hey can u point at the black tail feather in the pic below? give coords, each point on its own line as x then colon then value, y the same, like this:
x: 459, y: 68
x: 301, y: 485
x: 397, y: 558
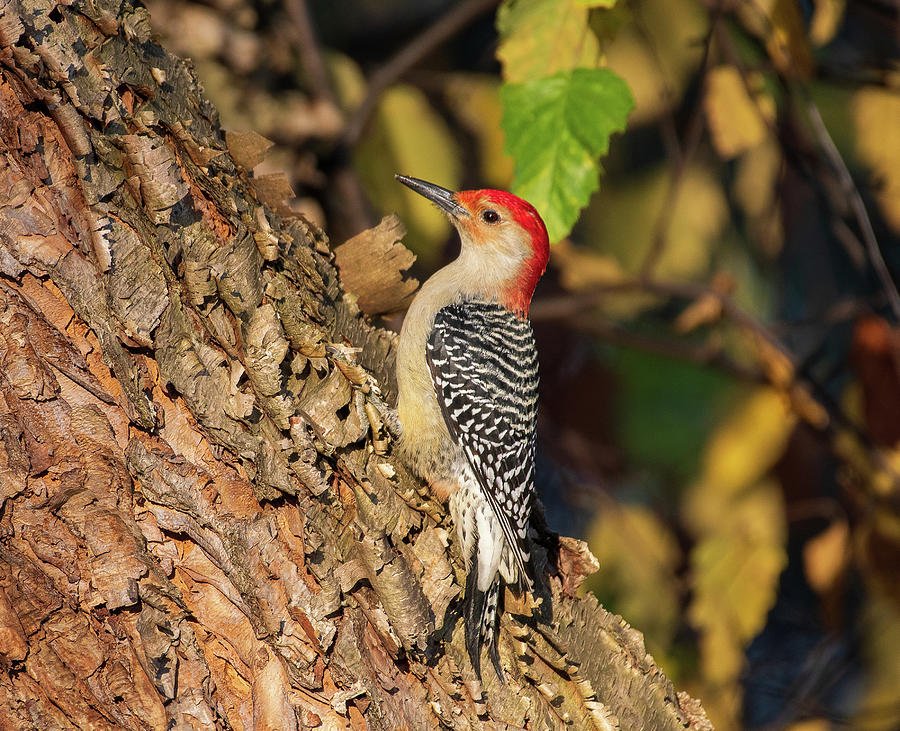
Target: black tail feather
x: 481, y: 621
x: 491, y: 625
x: 474, y: 608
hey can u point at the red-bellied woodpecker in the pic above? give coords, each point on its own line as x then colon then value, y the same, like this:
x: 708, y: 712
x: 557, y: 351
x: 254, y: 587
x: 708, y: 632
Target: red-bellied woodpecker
x: 467, y: 375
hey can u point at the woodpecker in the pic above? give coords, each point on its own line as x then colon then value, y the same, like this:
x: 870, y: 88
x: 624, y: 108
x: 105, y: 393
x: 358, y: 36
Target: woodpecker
x: 467, y: 376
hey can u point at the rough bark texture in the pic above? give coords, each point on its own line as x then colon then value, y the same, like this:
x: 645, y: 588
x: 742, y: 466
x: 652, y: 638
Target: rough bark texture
x: 195, y: 531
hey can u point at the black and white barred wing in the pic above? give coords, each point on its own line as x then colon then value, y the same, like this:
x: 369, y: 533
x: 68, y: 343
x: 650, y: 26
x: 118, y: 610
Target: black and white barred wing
x: 483, y: 362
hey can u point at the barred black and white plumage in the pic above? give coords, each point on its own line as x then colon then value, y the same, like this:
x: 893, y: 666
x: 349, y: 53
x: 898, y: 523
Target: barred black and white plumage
x: 467, y: 392
x: 483, y: 362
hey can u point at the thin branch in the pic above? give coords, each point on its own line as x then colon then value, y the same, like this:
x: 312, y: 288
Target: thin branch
x: 693, y: 135
x: 856, y: 203
x: 572, y: 305
x: 441, y: 30
x: 704, y: 355
x: 668, y: 126
x: 842, y: 232
x: 307, y: 47
x: 840, y: 312
x: 345, y: 184
x: 836, y: 161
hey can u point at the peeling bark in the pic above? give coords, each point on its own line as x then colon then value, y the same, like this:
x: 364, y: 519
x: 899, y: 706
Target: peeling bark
x: 194, y: 531
x: 373, y: 265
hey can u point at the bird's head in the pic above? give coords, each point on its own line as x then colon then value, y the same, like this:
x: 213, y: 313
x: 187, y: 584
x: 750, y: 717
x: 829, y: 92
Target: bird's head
x: 502, y: 237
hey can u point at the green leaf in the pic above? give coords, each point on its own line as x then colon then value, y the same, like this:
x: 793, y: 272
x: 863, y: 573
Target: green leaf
x: 556, y: 128
x: 540, y: 37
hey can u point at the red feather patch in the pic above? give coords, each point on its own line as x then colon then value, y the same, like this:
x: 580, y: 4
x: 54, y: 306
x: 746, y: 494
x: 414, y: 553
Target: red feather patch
x: 518, y: 295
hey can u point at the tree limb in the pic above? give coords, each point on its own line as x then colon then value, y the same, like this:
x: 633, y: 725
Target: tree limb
x: 193, y: 530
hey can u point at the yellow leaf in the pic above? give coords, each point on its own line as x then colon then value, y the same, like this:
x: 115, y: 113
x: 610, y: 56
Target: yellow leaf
x: 408, y: 136
x: 405, y: 136
x: 638, y: 558
x: 349, y: 81
x: 756, y: 176
x: 540, y: 37
x: 658, y: 61
x: 879, y: 707
x: 825, y: 556
x: 721, y: 657
x: 584, y: 269
x: 735, y: 568
x: 737, y: 122
x: 475, y: 100
x: 739, y: 454
x: 624, y: 221
x: 756, y: 191
x: 875, y: 115
x: 699, y: 217
x: 826, y: 20
x: 581, y: 268
x: 736, y: 515
x: 781, y: 27
x: 810, y: 724
x: 889, y: 461
x: 630, y: 57
x: 722, y: 704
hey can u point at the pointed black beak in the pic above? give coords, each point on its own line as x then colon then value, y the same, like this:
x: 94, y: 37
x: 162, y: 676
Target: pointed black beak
x: 442, y: 197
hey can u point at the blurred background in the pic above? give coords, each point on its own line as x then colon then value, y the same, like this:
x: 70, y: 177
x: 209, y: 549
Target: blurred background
x: 718, y: 334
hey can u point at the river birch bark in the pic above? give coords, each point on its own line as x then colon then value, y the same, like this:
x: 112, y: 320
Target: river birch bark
x: 196, y: 529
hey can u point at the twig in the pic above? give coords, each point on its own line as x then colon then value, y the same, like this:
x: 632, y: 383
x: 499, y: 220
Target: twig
x: 693, y: 135
x: 836, y: 161
x: 704, y: 355
x: 668, y: 126
x: 842, y: 232
x: 856, y: 203
x: 840, y: 312
x: 355, y: 212
x: 443, y: 28
x: 571, y: 305
x: 307, y: 47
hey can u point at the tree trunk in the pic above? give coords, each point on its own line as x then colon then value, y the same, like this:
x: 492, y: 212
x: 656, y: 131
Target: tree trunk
x: 195, y: 529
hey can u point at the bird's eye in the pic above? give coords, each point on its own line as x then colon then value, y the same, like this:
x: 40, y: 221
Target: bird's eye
x: 490, y: 216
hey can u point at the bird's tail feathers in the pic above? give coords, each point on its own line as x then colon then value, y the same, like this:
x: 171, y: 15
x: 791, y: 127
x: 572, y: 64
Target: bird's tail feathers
x: 481, y: 621
x: 518, y: 574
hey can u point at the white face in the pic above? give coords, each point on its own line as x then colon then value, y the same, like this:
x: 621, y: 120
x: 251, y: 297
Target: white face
x: 497, y: 253
x: 499, y: 244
